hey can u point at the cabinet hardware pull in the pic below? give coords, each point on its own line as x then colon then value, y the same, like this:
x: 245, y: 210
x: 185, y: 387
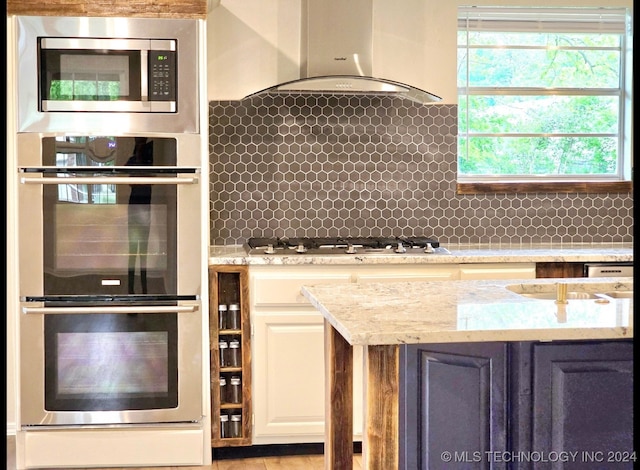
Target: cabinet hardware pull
x: 112, y: 309
x: 109, y: 180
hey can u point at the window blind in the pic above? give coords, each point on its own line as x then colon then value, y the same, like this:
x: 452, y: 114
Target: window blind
x: 543, y: 19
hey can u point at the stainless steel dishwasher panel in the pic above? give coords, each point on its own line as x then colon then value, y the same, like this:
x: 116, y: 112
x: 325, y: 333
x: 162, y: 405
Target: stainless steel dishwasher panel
x: 615, y: 269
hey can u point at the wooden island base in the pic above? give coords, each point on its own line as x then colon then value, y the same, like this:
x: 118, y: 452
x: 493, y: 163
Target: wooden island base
x: 381, y: 414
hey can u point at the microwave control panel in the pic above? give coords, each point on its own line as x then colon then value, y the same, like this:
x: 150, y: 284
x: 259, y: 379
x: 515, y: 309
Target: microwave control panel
x: 162, y: 75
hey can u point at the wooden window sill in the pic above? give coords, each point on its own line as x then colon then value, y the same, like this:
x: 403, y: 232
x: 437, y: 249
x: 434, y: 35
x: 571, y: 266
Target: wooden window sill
x: 546, y: 187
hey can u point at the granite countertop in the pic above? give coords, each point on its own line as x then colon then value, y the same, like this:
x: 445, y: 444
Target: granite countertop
x: 471, y: 311
x: 459, y: 254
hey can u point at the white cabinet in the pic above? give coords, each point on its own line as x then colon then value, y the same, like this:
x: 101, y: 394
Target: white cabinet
x: 288, y: 340
x: 289, y: 380
x: 288, y: 346
x: 288, y: 355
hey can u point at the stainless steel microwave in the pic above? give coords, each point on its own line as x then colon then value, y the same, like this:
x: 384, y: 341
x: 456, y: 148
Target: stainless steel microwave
x: 85, y: 74
x: 105, y: 75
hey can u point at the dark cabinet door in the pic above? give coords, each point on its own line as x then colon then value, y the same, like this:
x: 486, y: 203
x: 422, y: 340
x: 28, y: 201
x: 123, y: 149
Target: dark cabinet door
x: 453, y: 405
x: 582, y: 402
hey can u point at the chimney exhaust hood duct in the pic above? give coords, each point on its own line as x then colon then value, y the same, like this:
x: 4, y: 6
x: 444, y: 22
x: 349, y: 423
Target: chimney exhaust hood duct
x: 337, y: 51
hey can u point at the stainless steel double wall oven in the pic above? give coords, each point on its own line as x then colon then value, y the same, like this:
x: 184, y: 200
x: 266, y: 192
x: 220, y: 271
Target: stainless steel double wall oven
x: 110, y: 250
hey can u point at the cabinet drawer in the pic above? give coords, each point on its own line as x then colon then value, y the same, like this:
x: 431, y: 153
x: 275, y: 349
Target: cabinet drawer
x: 498, y: 271
x: 284, y: 289
x: 444, y: 272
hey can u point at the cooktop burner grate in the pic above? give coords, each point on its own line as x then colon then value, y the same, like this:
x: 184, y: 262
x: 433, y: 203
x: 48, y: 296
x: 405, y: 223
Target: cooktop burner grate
x: 343, y: 245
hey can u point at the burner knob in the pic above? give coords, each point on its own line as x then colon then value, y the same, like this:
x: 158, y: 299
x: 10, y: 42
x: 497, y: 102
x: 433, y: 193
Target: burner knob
x: 401, y: 248
x: 269, y: 250
x: 301, y: 248
x: 350, y: 249
x: 429, y: 248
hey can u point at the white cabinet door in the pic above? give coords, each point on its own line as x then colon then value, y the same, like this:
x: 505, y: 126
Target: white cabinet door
x: 288, y: 378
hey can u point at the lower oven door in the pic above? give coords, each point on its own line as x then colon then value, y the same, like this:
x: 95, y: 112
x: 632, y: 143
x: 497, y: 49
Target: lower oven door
x: 106, y: 365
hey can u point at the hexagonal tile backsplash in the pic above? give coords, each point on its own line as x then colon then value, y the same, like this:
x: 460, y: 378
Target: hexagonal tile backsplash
x: 329, y: 165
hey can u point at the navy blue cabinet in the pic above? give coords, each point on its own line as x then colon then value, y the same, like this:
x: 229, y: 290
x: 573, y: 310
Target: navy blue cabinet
x: 453, y: 401
x: 582, y: 402
x: 518, y: 405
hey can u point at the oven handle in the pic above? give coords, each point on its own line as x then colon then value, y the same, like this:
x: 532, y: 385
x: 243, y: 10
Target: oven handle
x: 109, y: 180
x: 112, y: 309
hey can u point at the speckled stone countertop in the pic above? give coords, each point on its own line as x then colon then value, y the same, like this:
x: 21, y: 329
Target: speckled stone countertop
x: 459, y: 254
x: 472, y: 311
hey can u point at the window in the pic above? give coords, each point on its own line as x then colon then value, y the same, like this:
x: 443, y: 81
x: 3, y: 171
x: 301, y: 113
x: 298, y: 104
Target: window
x: 543, y: 95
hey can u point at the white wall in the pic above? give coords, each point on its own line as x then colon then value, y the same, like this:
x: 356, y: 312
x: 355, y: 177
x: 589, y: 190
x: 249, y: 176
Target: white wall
x: 254, y: 44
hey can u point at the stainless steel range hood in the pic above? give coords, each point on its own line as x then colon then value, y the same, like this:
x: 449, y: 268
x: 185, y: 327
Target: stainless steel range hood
x: 337, y: 54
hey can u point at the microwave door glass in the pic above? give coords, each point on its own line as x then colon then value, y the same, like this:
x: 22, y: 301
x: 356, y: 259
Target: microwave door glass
x: 90, y: 76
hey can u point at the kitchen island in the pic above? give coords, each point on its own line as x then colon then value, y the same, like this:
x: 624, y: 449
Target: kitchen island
x: 394, y: 321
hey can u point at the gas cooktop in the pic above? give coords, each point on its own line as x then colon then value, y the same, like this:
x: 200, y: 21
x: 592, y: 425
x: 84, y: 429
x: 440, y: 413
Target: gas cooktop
x: 345, y: 246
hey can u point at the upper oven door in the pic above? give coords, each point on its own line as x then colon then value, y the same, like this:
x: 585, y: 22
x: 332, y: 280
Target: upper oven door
x: 109, y: 215
x: 118, y: 75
